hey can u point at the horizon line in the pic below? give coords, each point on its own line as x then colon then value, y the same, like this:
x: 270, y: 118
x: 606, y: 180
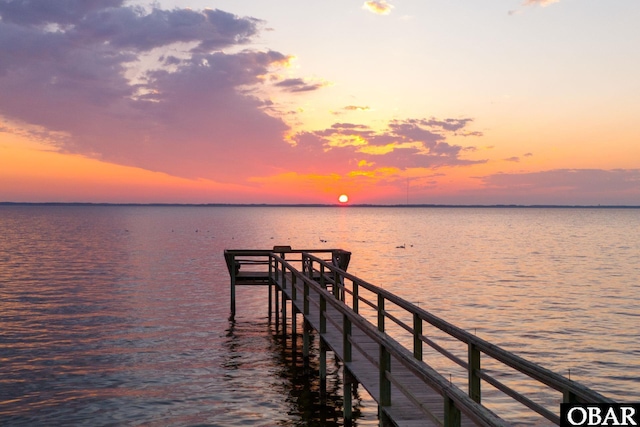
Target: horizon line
x: 314, y: 205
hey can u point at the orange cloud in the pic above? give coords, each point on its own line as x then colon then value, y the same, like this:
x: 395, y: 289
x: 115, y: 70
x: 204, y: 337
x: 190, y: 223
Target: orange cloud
x: 71, y: 178
x: 540, y: 2
x: 379, y: 7
x: 356, y: 108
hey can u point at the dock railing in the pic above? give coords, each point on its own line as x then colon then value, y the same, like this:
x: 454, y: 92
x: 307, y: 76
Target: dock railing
x: 349, y: 289
x: 384, y: 316
x: 248, y: 266
x: 325, y: 283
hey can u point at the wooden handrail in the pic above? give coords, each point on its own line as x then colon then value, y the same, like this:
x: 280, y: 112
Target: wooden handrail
x: 330, y: 280
x: 390, y: 348
x: 572, y: 391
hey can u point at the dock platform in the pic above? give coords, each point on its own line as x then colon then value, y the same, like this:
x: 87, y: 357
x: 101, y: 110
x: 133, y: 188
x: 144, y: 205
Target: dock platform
x: 359, y: 323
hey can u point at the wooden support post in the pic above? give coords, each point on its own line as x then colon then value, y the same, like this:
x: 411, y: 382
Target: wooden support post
x: 305, y: 297
x: 383, y: 419
x: 452, y: 416
x: 323, y: 369
x: 276, y: 309
x: 385, y: 384
x: 569, y: 397
x: 347, y: 396
x: 474, y: 373
x: 323, y: 315
x: 309, y: 268
x: 232, y: 315
x: 304, y: 265
x: 417, y: 336
x: 284, y: 313
x: 294, y: 332
x: 270, y: 286
x: 283, y: 277
x: 380, y: 313
x: 270, y: 297
x: 294, y: 290
x: 356, y: 298
x: 306, y: 340
x: 346, y: 338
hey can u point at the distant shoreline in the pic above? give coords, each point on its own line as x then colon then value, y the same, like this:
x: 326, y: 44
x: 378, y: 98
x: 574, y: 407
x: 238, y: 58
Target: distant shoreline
x: 319, y: 205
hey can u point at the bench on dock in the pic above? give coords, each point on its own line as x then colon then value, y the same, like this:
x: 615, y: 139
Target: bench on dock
x: 250, y: 266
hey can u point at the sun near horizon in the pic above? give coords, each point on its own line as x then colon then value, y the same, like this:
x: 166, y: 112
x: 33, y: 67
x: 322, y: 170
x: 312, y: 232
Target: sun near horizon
x: 343, y: 199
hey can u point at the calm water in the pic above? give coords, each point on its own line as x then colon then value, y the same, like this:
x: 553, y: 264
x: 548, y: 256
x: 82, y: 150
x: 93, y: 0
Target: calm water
x: 118, y: 315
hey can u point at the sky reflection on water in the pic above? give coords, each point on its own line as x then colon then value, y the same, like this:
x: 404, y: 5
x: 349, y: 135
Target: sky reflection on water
x: 118, y: 315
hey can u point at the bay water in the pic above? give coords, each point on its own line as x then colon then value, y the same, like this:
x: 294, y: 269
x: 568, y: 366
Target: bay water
x: 118, y: 315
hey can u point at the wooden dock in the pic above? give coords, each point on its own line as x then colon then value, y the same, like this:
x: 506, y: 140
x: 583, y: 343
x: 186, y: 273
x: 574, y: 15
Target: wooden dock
x: 354, y: 319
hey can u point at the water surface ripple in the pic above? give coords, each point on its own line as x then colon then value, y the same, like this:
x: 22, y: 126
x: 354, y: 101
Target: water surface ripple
x: 114, y: 315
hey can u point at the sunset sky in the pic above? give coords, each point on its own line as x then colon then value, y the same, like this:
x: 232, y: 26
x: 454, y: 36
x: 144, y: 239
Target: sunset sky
x: 255, y: 101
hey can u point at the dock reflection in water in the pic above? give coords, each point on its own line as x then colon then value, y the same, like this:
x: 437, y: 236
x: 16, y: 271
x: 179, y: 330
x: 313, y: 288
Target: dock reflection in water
x: 297, y: 384
x: 109, y: 317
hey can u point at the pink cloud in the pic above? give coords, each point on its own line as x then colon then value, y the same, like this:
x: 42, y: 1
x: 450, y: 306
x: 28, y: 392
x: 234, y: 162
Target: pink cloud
x: 564, y: 186
x: 194, y: 114
x: 198, y: 118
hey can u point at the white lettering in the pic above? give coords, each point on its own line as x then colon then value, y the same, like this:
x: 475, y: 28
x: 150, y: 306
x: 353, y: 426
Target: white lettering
x: 627, y: 413
x: 572, y: 420
x: 611, y: 416
x: 595, y: 418
x: 602, y: 415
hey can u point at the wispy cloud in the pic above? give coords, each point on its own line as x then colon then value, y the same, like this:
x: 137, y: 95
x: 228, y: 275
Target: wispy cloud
x: 299, y: 85
x: 569, y: 186
x: 409, y: 143
x: 357, y: 108
x: 379, y: 7
x: 539, y: 2
x: 542, y: 3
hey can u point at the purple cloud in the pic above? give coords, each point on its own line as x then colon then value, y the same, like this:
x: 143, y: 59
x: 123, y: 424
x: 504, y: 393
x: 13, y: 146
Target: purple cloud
x: 405, y: 143
x: 194, y: 113
x: 37, y: 12
x: 134, y: 28
x: 446, y: 124
x: 565, y: 186
x: 197, y: 118
x: 298, y: 85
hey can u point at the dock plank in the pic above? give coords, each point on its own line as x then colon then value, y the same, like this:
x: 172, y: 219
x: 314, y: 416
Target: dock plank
x: 403, y: 411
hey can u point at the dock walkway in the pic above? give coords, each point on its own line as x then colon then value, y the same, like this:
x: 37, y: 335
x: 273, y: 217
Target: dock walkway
x: 408, y: 391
